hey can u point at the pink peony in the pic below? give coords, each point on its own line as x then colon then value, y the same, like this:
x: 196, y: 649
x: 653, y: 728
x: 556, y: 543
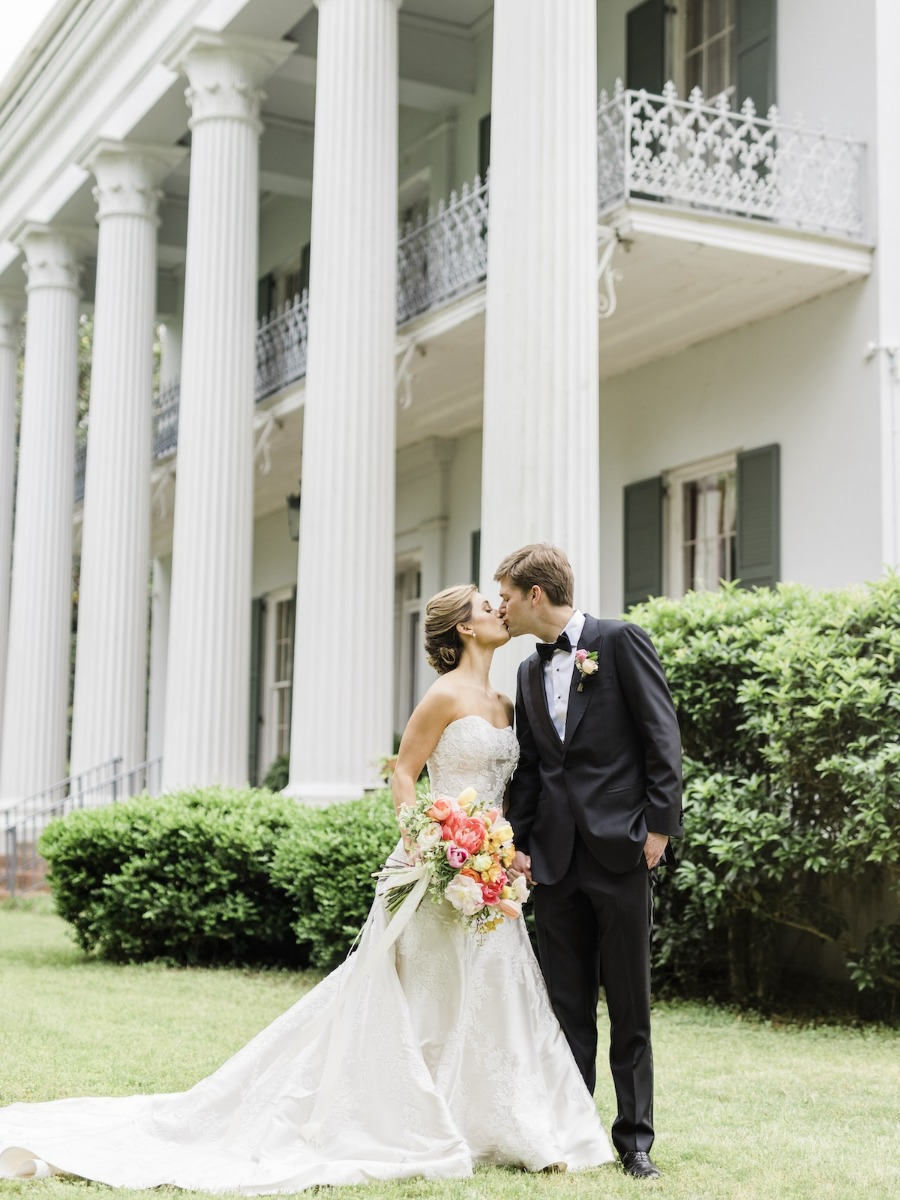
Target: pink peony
x: 457, y: 856
x: 491, y: 891
x: 465, y: 831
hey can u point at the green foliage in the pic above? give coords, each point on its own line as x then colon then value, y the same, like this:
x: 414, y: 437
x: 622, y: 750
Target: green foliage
x: 325, y: 867
x: 185, y: 878
x: 278, y: 774
x: 789, y: 702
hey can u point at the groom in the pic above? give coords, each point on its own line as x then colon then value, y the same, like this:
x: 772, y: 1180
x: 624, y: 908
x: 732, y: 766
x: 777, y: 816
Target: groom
x: 594, y: 800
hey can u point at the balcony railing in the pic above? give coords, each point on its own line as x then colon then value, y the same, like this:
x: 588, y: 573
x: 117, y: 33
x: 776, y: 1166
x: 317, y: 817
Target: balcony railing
x: 683, y: 153
x: 690, y: 154
x: 443, y: 256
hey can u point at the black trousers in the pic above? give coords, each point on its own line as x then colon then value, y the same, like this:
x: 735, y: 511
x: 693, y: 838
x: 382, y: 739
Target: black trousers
x: 595, y: 925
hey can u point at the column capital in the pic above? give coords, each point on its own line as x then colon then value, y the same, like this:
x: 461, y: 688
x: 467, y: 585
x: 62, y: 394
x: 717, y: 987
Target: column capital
x: 12, y: 305
x: 224, y: 73
x: 128, y: 175
x: 52, y: 254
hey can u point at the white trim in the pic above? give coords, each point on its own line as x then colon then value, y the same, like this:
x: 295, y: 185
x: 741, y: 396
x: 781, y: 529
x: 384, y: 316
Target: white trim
x: 271, y: 687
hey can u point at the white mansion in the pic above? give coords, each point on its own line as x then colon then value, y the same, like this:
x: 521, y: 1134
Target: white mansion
x: 662, y: 331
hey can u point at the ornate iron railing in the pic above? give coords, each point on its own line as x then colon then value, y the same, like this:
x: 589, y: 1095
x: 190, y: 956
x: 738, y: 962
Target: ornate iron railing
x: 165, y: 421
x: 94, y: 788
x: 442, y: 256
x: 281, y: 346
x: 701, y: 156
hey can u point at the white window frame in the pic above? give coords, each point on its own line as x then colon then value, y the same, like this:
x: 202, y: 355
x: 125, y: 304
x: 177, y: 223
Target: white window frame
x: 408, y: 607
x: 673, y: 513
x: 272, y: 686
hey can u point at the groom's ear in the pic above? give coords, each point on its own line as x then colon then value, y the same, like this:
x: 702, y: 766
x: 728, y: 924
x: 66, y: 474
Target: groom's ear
x: 536, y: 593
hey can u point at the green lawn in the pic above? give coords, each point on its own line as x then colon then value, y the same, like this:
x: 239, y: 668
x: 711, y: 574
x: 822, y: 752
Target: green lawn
x: 744, y: 1110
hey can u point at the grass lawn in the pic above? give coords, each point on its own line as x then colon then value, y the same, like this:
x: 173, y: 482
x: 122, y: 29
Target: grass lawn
x: 743, y: 1110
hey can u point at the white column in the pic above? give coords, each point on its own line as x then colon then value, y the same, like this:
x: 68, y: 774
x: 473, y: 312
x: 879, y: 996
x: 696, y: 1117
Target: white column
x: 887, y: 272
x: 33, y: 747
x: 159, y: 649
x: 205, y: 739
x: 540, y: 472
x: 10, y: 324
x: 341, y: 720
x: 111, y: 658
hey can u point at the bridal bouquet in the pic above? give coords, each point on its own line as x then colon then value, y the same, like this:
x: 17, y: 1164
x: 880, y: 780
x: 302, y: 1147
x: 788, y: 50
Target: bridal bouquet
x: 459, y: 852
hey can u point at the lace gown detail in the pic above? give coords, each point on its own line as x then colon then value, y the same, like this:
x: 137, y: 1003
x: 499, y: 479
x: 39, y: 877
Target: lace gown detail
x: 437, y: 1054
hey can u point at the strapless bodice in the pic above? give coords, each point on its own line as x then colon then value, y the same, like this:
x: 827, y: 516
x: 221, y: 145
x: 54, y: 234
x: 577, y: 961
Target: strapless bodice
x: 471, y: 752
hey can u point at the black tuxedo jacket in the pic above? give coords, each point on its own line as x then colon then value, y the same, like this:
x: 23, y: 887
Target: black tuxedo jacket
x: 617, y: 772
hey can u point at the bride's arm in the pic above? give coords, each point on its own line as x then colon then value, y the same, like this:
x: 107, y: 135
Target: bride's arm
x: 429, y: 720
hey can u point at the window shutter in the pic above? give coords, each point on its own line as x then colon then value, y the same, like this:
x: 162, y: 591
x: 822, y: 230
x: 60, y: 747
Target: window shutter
x: 484, y: 145
x: 475, y: 552
x: 257, y: 612
x: 755, y: 53
x: 265, y: 296
x: 758, y: 517
x: 643, y: 540
x: 645, y: 46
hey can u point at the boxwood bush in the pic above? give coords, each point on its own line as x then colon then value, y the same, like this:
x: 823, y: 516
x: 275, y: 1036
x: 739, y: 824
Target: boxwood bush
x: 789, y: 703
x: 185, y: 877
x: 324, y: 866
x: 218, y: 875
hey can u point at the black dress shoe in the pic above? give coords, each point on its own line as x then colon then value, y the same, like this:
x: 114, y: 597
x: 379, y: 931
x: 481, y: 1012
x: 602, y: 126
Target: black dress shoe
x: 639, y: 1164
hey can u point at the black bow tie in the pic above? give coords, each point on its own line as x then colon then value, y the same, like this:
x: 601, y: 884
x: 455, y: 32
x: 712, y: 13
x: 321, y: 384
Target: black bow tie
x: 546, y: 650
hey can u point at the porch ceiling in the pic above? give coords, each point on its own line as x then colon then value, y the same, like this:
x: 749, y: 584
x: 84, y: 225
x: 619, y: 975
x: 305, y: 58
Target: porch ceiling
x: 687, y: 277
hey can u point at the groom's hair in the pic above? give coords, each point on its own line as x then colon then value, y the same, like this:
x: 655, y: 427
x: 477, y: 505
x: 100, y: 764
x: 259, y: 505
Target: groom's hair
x: 540, y: 565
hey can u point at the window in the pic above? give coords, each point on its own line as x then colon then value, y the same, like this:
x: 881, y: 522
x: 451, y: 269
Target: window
x: 408, y: 641
x: 709, y: 47
x: 713, y: 520
x: 278, y: 674
x: 702, y: 511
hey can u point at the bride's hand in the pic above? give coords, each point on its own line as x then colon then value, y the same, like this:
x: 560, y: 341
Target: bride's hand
x: 521, y: 865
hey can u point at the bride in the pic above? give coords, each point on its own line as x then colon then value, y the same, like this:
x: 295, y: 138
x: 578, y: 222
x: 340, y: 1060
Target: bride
x: 422, y: 1058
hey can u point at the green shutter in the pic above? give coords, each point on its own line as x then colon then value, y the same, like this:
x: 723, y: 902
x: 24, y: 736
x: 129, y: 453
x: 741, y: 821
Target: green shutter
x: 755, y: 53
x: 484, y: 145
x: 645, y: 46
x: 757, y: 551
x: 257, y: 612
x: 643, y: 540
x: 304, y: 269
x: 476, y: 557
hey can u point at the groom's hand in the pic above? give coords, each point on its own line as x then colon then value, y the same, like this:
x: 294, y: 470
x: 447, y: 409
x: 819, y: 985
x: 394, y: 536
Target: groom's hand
x: 655, y: 848
x: 521, y: 865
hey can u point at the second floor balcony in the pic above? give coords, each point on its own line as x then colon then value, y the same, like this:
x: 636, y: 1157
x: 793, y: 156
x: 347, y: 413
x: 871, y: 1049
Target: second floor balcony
x: 717, y: 218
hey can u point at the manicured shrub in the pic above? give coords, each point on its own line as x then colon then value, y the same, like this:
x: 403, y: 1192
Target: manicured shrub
x: 278, y: 774
x: 185, y: 878
x: 325, y: 867
x: 789, y: 702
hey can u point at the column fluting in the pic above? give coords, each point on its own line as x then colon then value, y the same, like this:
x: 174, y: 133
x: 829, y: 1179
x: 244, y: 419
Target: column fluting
x: 341, y: 719
x: 11, y: 307
x: 33, y: 746
x: 111, y: 657
x: 540, y: 471
x: 206, y: 721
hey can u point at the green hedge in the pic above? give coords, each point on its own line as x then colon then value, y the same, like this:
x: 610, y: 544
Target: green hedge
x: 324, y: 866
x: 789, y: 703
x: 186, y: 878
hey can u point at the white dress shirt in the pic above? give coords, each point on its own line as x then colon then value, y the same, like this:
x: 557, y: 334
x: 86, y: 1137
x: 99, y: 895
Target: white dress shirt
x: 558, y: 675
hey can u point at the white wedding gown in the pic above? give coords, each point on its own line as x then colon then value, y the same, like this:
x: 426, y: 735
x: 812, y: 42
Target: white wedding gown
x: 419, y: 1060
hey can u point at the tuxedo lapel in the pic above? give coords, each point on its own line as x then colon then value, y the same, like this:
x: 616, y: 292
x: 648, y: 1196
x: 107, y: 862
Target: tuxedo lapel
x: 539, y: 700
x: 578, y: 701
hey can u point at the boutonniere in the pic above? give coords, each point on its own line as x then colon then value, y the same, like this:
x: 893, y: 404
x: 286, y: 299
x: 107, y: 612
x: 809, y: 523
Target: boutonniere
x: 586, y: 664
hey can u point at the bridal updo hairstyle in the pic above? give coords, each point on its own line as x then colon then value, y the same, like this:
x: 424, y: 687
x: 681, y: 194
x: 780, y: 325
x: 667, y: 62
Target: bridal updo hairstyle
x: 443, y: 613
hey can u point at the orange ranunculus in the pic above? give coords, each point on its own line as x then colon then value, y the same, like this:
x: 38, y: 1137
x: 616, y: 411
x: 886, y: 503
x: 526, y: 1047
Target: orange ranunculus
x: 440, y: 810
x: 491, y: 891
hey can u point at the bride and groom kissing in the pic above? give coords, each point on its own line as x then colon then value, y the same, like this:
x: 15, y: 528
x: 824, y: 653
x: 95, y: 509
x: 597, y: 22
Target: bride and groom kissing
x: 449, y: 1049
